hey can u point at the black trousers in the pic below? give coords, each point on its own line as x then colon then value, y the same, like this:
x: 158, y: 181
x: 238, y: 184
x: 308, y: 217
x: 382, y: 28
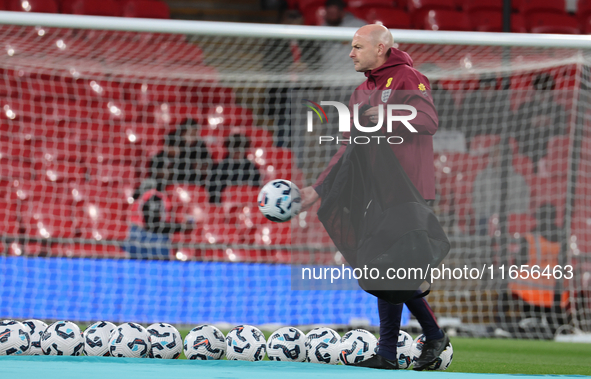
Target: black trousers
x: 390, y: 316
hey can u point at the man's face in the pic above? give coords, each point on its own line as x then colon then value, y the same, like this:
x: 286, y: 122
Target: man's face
x: 334, y: 15
x: 363, y: 53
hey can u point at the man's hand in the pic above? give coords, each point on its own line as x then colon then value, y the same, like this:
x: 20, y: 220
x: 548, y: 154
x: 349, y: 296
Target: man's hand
x: 309, y: 197
x: 372, y: 114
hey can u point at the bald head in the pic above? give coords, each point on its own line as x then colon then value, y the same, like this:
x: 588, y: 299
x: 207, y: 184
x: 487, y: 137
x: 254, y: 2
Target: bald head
x: 377, y: 34
x: 370, y: 47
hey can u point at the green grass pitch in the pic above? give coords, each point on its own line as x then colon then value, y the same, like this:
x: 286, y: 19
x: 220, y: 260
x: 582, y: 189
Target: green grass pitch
x: 509, y: 356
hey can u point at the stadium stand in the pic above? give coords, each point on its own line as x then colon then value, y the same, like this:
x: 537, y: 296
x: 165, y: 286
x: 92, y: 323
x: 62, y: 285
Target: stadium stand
x: 145, y: 9
x: 43, y: 6
x: 391, y: 18
x: 551, y: 22
x: 92, y: 7
x: 533, y: 6
x: 442, y: 19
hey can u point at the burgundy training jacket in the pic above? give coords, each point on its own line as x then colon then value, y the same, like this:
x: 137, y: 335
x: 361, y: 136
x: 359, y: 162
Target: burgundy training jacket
x: 409, y: 87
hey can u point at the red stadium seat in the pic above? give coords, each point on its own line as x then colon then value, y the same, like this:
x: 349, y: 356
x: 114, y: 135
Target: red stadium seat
x: 183, y: 195
x: 123, y: 112
x: 240, y: 194
x: 148, y: 136
x: 419, y: 9
x: 55, y: 150
x: 18, y: 110
x: 418, y: 5
x: 178, y: 53
x: 17, y: 146
x: 273, y: 234
x: 15, y: 168
x: 276, y: 163
x: 518, y: 24
x: 444, y: 20
x: 110, y: 173
x: 9, y: 224
x: 214, y: 234
x: 21, y: 192
x: 8, y: 129
x: 40, y: 6
x: 117, y: 150
x: 482, y: 5
x: 551, y: 22
x: 101, y: 214
x: 371, y: 3
x: 146, y: 92
x: 530, y: 6
x: 492, y: 21
x: 92, y: 7
x: 86, y: 131
x: 145, y: 9
x: 583, y: 10
x: 42, y: 129
x: 307, y: 4
x: 171, y: 115
x: 226, y: 116
x: 208, y: 96
x: 391, y: 18
x: 82, y: 89
x: 47, y: 219
x: 62, y: 172
x: 222, y: 121
x: 486, y: 20
x: 314, y: 15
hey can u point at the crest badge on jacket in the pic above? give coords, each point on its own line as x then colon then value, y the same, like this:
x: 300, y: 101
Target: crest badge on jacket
x: 386, y: 95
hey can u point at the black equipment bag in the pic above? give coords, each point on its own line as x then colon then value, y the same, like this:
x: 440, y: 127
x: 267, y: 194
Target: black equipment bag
x: 379, y: 220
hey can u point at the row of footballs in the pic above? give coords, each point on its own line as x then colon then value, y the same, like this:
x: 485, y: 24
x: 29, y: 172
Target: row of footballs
x: 205, y: 342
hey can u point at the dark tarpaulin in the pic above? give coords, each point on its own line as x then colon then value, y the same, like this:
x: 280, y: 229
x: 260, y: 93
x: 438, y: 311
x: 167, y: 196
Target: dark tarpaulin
x: 378, y: 219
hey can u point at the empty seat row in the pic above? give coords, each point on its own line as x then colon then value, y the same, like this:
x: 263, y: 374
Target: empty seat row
x: 124, y: 8
x: 522, y: 6
x: 486, y: 16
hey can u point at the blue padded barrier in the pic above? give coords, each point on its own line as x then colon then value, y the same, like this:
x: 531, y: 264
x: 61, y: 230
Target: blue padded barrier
x: 185, y: 293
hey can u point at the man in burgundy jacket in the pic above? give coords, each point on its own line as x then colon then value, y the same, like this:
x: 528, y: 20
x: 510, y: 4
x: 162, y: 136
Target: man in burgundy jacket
x: 388, y: 68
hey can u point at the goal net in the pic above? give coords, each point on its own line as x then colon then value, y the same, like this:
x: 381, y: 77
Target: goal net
x: 133, y: 160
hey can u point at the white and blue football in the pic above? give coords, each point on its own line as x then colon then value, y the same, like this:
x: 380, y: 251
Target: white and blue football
x: 14, y: 339
x: 130, y: 340
x: 166, y: 341
x: 403, y: 350
x: 96, y: 339
x: 35, y: 328
x: 323, y: 346
x: 245, y: 343
x: 205, y: 342
x: 287, y: 344
x: 62, y: 338
x: 357, y: 346
x: 279, y: 200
